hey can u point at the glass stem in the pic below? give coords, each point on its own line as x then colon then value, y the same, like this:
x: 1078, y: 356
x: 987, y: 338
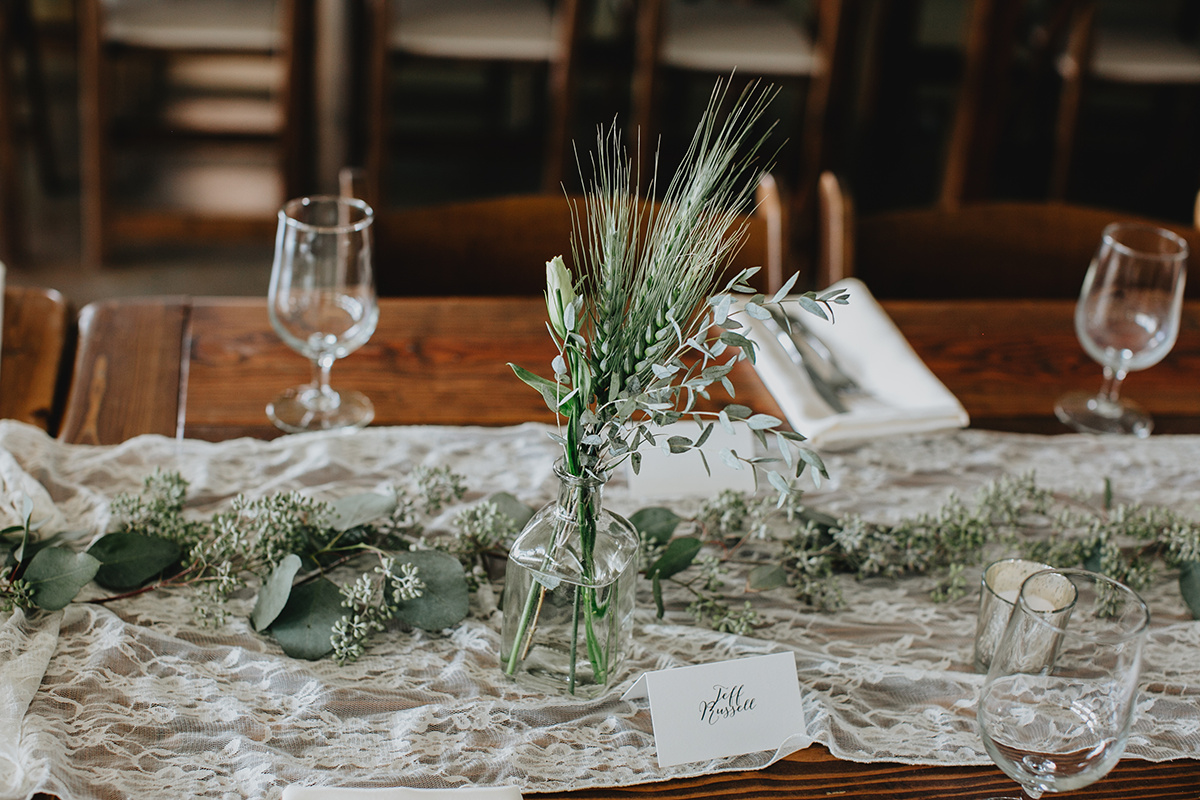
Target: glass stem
x: 326, y: 398
x: 1110, y: 390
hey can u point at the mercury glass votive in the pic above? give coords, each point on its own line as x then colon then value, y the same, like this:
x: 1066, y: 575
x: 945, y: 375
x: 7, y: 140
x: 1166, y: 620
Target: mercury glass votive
x: 999, y: 586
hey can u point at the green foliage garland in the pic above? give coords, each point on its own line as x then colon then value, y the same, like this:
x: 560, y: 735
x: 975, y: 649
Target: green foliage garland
x: 285, y: 547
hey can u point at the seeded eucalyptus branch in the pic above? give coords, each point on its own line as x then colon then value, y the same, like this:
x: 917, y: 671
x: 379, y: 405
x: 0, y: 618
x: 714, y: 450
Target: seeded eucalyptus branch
x: 284, y: 548
x: 809, y: 551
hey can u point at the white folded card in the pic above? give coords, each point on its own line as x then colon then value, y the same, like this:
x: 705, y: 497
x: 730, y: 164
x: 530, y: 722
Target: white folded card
x: 401, y: 793
x: 726, y: 708
x: 901, y: 394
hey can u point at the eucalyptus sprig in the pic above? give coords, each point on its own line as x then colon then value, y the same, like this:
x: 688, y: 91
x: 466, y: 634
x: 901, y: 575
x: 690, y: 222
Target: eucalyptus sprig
x: 648, y: 324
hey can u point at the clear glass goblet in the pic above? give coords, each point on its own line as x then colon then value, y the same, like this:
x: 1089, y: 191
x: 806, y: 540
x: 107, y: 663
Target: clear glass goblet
x: 322, y: 304
x: 1056, y: 706
x: 1127, y: 319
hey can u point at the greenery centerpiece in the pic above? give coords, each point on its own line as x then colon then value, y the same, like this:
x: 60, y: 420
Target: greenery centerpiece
x: 643, y: 330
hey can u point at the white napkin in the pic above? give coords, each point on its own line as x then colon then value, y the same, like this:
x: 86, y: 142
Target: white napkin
x: 401, y: 793
x: 902, y: 395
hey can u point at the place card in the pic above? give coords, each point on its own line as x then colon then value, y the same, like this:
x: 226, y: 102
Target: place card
x: 727, y: 708
x: 666, y: 474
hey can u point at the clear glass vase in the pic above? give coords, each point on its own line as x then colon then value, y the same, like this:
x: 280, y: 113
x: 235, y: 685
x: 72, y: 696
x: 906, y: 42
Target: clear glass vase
x: 569, y: 593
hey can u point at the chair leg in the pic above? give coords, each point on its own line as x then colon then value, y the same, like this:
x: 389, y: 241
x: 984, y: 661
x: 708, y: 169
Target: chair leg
x: 562, y: 93
x: 11, y: 240
x: 297, y: 143
x: 646, y: 73
x: 93, y: 170
x: 1078, y: 56
x: 24, y: 32
x: 982, y: 100
x: 825, y: 108
x: 377, y: 105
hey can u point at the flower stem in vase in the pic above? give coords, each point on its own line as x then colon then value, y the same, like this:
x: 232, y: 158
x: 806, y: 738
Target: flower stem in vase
x: 571, y: 574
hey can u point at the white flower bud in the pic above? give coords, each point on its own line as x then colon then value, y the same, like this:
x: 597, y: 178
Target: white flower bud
x: 560, y: 293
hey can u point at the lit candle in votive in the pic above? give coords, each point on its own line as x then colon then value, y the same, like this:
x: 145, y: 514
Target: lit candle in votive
x: 1001, y: 584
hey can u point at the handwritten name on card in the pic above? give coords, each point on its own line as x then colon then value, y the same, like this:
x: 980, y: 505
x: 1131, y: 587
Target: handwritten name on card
x: 727, y: 708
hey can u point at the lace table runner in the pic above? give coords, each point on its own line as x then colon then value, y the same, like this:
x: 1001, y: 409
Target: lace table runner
x: 136, y: 700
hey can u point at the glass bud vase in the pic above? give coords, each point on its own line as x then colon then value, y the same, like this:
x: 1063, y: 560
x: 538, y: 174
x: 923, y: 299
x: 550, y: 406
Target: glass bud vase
x: 569, y: 593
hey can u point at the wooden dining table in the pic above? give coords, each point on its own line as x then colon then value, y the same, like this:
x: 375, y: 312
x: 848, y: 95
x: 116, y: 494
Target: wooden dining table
x: 206, y: 368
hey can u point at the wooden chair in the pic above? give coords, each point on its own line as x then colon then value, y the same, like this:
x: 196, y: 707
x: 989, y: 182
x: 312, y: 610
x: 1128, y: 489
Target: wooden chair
x: 984, y: 249
x: 717, y: 37
x: 36, y: 339
x: 19, y: 40
x: 500, y: 246
x: 1122, y: 52
x: 489, y: 32
x: 262, y: 47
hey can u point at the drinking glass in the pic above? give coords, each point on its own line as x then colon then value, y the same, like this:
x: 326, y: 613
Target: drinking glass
x: 322, y: 304
x: 1056, y: 705
x: 1127, y: 319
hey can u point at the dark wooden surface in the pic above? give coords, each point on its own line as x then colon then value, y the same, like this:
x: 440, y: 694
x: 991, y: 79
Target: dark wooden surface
x: 206, y: 368
x: 37, y: 331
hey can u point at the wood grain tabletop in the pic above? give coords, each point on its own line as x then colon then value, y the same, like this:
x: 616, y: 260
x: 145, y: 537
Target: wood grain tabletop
x: 207, y: 367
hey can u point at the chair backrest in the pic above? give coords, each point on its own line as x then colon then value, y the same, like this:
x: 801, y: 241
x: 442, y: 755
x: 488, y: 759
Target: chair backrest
x: 500, y: 246
x: 752, y: 40
x: 482, y: 31
x: 993, y: 249
x: 37, y: 337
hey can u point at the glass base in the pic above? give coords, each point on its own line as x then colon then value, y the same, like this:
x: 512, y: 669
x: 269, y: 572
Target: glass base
x: 1090, y: 413
x: 304, y: 408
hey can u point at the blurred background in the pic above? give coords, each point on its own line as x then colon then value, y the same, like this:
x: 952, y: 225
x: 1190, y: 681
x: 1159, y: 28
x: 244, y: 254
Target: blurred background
x: 147, y: 144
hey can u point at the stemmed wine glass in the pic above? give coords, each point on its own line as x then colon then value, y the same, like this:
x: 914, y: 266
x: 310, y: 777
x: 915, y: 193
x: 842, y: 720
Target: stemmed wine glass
x: 1056, y: 706
x: 322, y: 304
x: 1127, y: 319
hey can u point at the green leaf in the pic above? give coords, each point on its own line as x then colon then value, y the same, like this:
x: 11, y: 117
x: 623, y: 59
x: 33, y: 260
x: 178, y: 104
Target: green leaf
x: 276, y: 589
x: 656, y: 523
x: 56, y: 575
x: 737, y: 412
x: 304, y: 629
x: 757, y: 311
x: 511, y: 507
x: 766, y: 576
x: 128, y: 560
x: 676, y: 558
x: 787, y: 287
x: 811, y: 306
x: 1189, y: 586
x: 779, y: 482
x: 548, y: 389
x: 811, y: 458
x: 679, y: 444
x: 762, y: 422
x: 735, y: 339
x: 355, y: 510
x: 444, y: 601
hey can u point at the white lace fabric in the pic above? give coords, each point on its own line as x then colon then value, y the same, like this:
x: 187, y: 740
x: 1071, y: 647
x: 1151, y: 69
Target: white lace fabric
x: 135, y: 699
